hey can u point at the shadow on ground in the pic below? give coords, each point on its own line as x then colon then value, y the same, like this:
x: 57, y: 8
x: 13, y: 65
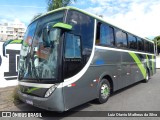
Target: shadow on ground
x: 75, y: 112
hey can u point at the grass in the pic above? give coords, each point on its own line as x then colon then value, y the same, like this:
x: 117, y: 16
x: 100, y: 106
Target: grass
x: 15, y: 96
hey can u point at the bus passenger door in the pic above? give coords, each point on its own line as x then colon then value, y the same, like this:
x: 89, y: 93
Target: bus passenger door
x: 73, y: 63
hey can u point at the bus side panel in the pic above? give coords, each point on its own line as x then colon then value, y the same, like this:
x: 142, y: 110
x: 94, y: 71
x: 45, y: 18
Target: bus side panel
x: 128, y: 68
x: 149, y: 64
x: 152, y: 59
x: 108, y: 62
x: 138, y: 67
x: 80, y: 91
x: 86, y: 88
x: 123, y: 67
x: 131, y: 72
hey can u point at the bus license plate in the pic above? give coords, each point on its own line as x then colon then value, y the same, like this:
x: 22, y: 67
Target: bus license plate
x: 29, y: 102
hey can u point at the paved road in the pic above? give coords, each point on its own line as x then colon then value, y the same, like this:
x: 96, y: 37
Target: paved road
x: 137, y: 97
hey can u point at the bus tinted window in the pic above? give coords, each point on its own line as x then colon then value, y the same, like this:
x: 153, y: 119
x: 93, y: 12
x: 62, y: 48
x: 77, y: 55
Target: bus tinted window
x: 106, y: 35
x: 73, y: 47
x: 98, y: 34
x: 103, y: 34
x: 146, y: 46
x: 132, y: 42
x: 121, y: 39
x: 140, y: 44
x: 151, y: 48
x: 110, y: 36
x: 83, y: 30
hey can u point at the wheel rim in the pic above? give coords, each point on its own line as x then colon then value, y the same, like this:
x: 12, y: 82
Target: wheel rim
x: 105, y: 91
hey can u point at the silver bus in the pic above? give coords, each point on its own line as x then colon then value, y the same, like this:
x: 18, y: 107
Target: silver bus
x: 69, y: 57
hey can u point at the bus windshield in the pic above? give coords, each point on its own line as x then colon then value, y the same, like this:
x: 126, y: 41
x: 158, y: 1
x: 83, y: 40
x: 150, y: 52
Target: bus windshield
x: 39, y: 51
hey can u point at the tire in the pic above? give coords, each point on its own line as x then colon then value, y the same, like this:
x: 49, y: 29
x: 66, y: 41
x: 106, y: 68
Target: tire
x: 147, y: 77
x: 103, y: 91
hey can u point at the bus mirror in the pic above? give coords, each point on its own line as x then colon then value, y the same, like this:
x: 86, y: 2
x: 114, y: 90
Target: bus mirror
x: 63, y: 26
x: 9, y: 42
x: 50, y: 36
x: 53, y: 34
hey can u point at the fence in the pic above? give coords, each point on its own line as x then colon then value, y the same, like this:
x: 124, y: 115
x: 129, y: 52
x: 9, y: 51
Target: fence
x: 9, y: 65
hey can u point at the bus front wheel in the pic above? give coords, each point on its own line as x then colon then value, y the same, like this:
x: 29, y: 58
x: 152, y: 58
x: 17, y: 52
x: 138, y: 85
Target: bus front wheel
x: 104, y: 91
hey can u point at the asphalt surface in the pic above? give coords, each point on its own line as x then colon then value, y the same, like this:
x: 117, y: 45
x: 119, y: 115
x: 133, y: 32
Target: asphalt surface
x: 138, y: 97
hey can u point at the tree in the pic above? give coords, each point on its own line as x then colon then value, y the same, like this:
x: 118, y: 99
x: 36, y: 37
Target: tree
x: 54, y: 4
x: 157, y: 39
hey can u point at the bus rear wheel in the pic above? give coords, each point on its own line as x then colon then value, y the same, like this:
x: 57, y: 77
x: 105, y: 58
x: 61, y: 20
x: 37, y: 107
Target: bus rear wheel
x: 147, y: 77
x: 104, y: 91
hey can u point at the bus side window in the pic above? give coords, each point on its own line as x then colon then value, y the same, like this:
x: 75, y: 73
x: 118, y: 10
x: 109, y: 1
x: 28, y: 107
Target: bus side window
x: 106, y: 35
x: 121, y: 39
x: 72, y: 46
x: 111, y: 36
x: 151, y: 47
x: 146, y: 46
x: 98, y: 34
x: 140, y: 44
x: 132, y: 42
x: 103, y: 34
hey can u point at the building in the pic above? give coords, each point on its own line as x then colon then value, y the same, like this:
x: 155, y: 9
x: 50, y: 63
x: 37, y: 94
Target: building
x: 12, y: 30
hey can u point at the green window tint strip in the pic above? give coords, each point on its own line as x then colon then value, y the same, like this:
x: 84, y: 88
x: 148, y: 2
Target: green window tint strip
x: 32, y: 89
x: 139, y: 64
x: 16, y: 42
x: 147, y: 61
x: 153, y: 61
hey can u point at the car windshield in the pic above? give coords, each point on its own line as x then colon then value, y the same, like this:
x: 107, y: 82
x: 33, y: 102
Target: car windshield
x: 39, y: 52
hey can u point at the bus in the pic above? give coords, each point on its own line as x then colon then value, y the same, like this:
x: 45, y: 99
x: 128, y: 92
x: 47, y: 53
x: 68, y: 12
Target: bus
x: 69, y: 57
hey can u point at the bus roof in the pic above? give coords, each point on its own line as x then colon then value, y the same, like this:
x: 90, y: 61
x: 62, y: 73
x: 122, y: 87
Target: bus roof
x: 92, y: 15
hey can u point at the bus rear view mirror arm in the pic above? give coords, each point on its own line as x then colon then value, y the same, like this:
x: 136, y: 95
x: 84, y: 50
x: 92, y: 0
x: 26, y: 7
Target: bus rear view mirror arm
x: 63, y: 26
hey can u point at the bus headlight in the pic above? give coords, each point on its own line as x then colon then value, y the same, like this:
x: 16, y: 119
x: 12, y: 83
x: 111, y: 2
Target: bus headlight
x: 50, y: 90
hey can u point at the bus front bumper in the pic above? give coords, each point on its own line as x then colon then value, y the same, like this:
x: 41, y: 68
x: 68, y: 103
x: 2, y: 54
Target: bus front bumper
x: 52, y: 103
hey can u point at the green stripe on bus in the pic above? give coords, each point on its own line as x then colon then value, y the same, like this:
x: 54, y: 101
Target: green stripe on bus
x: 139, y: 63
x: 32, y: 89
x: 153, y: 66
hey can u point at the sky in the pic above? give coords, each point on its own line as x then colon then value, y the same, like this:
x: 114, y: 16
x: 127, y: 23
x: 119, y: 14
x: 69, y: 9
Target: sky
x: 141, y: 17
